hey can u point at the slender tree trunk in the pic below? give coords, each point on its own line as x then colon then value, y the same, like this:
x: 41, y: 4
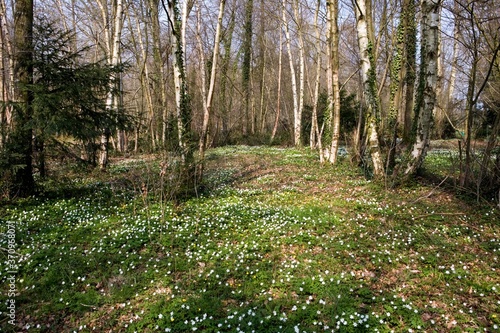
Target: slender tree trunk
x: 7, y: 81
x: 183, y: 110
x: 278, y: 99
x: 315, y: 138
x: 334, y: 94
x: 262, y: 107
x: 296, y: 119
x: 208, y: 100
x: 247, y: 59
x: 465, y: 179
x: 145, y: 77
x: 159, y: 68
x: 302, y: 62
x: 454, y: 67
x: 23, y: 71
x: 439, y: 113
x: 431, y: 11
x: 113, y: 60
x: 409, y: 22
x: 363, y: 21
x: 226, y: 59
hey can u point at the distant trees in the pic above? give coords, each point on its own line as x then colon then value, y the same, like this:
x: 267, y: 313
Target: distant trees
x: 285, y: 72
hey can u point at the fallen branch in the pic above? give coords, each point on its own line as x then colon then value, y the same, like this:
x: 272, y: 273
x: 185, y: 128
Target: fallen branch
x: 433, y: 214
x: 432, y: 191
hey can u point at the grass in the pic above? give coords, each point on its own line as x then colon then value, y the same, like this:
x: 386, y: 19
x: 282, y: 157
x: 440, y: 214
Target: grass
x: 277, y: 243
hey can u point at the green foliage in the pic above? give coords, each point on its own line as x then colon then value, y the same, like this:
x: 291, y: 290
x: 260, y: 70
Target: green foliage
x: 348, y: 115
x: 286, y: 246
x: 69, y: 94
x: 68, y: 102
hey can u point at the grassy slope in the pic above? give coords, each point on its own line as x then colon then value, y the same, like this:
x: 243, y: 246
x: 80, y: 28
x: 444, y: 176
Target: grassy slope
x: 278, y: 244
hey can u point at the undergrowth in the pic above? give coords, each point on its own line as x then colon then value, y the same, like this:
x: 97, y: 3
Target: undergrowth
x: 276, y: 243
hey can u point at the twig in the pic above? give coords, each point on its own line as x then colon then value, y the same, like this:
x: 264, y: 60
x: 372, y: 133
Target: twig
x: 432, y: 214
x: 6, y: 250
x: 432, y: 191
x: 89, y: 306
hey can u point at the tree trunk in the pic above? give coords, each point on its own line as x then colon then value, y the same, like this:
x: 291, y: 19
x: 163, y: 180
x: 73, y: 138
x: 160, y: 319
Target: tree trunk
x: 334, y: 87
x: 315, y: 138
x: 296, y: 119
x: 24, y: 183
x: 302, y: 62
x: 454, y: 67
x: 160, y: 88
x: 368, y: 72
x: 227, y: 40
x: 410, y: 65
x: 183, y: 111
x: 278, y: 99
x: 396, y: 89
x: 141, y: 55
x: 246, y: 66
x: 208, y: 99
x: 114, y: 43
x: 431, y: 11
x: 7, y: 81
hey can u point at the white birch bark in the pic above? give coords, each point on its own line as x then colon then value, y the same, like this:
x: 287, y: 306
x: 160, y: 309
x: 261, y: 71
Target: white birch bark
x: 7, y: 84
x: 113, y: 45
x: 362, y: 18
x: 178, y: 65
x: 315, y: 138
x: 302, y: 62
x: 207, y: 101
x: 431, y: 10
x: 334, y: 94
x: 296, y: 124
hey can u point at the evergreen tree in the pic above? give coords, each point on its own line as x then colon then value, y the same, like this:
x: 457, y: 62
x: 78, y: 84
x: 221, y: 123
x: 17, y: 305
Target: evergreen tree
x: 66, y: 99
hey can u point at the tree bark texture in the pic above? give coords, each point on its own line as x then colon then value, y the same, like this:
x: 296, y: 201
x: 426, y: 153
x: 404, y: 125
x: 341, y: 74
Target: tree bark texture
x: 431, y: 11
x: 24, y: 183
x: 363, y: 21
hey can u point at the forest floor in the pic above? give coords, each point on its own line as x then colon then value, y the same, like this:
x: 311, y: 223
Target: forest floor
x: 276, y: 242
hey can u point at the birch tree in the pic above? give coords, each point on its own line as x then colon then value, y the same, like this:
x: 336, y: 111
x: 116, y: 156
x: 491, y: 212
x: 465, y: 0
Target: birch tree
x: 333, y: 77
x: 296, y: 99
x: 7, y: 75
x: 113, y: 38
x: 178, y: 23
x: 431, y: 12
x: 208, y: 96
x: 315, y: 136
x: 368, y: 74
